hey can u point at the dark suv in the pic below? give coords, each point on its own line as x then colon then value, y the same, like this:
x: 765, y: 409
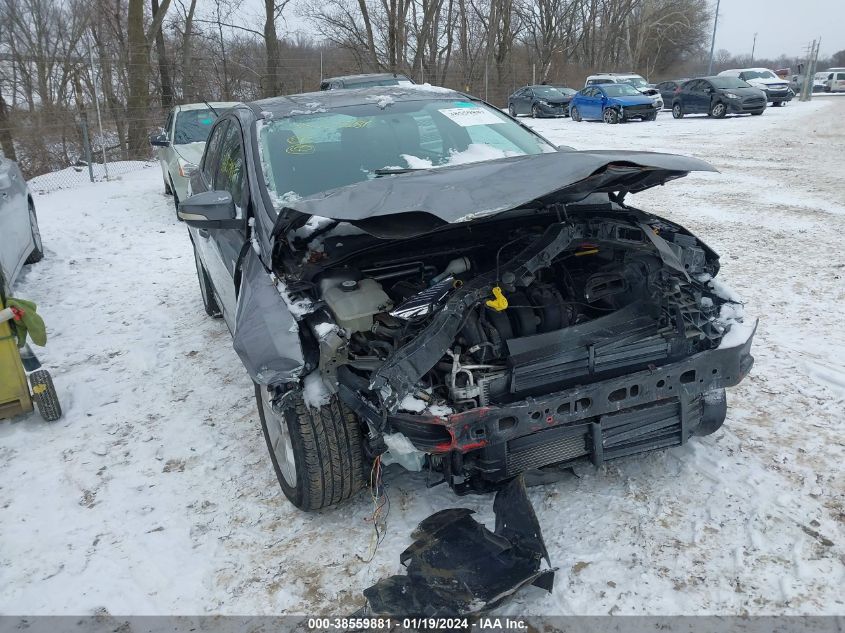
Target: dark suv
x: 410, y: 271
x: 717, y: 97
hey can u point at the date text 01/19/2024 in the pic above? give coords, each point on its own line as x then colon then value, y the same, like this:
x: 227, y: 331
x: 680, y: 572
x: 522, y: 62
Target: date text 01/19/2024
x: 417, y: 624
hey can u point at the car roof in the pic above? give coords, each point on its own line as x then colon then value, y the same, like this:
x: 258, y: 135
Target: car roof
x: 185, y: 107
x: 313, y: 102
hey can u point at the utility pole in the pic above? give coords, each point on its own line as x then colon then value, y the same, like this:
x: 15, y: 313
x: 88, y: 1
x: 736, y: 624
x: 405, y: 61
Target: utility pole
x: 753, y: 46
x: 713, y: 40
x: 99, y: 118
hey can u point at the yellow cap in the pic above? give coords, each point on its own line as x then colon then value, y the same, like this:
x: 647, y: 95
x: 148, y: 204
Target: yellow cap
x: 499, y: 303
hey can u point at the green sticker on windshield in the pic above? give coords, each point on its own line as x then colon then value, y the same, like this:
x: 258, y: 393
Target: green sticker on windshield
x: 463, y: 104
x: 207, y: 121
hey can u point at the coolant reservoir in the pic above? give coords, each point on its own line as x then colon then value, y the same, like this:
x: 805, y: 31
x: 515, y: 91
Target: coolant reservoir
x: 355, y: 302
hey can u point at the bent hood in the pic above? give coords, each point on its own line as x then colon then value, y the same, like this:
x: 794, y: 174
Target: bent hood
x: 420, y: 201
x: 190, y: 152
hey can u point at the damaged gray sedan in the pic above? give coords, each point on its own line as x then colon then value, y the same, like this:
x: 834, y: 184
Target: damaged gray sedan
x: 413, y: 276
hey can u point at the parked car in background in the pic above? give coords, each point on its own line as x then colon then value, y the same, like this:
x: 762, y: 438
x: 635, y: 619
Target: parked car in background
x: 181, y: 143
x: 20, y: 239
x: 365, y: 81
x: 796, y: 83
x: 777, y: 90
x: 612, y: 103
x: 834, y: 80
x: 668, y: 89
x: 540, y: 101
x: 439, y: 306
x: 717, y: 97
x: 631, y: 79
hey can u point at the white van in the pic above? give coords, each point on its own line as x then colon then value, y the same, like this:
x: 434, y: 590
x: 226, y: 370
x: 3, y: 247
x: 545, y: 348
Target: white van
x: 834, y: 80
x: 776, y: 89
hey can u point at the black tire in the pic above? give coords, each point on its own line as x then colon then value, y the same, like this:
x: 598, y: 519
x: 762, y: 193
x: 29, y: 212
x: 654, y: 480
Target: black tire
x: 326, y: 449
x: 535, y: 112
x: 511, y: 110
x: 574, y: 114
x: 650, y: 117
x: 37, y: 253
x: 610, y: 116
x: 757, y: 113
x: 209, y: 302
x: 777, y: 104
x: 677, y: 111
x: 167, y: 190
x: 718, y: 110
x: 45, y: 396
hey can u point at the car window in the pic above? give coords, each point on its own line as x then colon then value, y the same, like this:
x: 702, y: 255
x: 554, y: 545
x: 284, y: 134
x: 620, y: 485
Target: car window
x: 304, y: 154
x: 621, y: 90
x: 229, y: 175
x: 840, y: 76
x: 212, y: 150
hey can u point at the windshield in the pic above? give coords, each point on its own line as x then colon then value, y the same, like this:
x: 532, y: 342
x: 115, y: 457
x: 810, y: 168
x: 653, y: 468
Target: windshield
x: 547, y: 92
x: 637, y: 82
x: 304, y: 154
x: 621, y: 90
x: 759, y: 74
x: 728, y: 82
x: 193, y: 126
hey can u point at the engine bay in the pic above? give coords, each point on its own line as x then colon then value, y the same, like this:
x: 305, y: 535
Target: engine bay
x: 489, y: 314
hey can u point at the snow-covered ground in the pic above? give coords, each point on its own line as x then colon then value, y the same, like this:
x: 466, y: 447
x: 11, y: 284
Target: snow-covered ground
x: 154, y: 493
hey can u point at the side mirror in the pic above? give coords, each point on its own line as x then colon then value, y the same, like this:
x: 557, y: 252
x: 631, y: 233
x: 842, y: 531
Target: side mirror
x: 210, y: 210
x: 159, y: 140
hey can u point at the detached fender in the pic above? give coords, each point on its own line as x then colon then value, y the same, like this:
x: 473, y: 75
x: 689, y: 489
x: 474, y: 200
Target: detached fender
x: 266, y: 334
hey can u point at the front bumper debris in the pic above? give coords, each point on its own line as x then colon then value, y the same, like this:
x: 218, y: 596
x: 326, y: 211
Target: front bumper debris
x: 457, y: 567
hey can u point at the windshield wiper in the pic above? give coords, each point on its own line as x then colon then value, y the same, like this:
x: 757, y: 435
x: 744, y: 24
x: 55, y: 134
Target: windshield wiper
x: 389, y: 171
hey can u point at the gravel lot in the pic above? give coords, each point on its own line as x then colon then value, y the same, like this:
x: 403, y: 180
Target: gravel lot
x: 154, y: 494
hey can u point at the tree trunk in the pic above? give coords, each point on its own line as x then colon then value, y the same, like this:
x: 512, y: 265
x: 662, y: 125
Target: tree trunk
x: 187, y: 62
x: 5, y: 132
x: 163, y: 70
x: 271, y: 44
x: 138, y: 77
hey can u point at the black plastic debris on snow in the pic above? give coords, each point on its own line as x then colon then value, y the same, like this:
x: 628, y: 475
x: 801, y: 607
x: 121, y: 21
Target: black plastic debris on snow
x: 456, y: 566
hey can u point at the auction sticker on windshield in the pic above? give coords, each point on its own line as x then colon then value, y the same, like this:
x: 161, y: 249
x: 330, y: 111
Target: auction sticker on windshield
x: 466, y: 117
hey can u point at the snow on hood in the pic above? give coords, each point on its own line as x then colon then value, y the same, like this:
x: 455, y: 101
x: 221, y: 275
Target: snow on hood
x: 190, y: 152
x: 429, y: 198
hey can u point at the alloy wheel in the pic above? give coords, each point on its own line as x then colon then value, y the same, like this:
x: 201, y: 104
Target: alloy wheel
x: 280, y: 440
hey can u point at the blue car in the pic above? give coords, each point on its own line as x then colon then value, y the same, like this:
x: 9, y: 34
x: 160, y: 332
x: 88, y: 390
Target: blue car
x: 611, y: 103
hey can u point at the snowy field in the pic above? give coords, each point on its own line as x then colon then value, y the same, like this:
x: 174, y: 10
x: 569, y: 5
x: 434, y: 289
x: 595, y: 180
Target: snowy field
x: 154, y: 494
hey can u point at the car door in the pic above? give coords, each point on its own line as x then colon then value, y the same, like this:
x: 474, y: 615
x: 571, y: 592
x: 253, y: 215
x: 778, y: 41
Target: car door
x: 519, y: 101
x: 595, y: 98
x: 223, y: 247
x: 165, y: 152
x: 15, y: 232
x: 695, y: 97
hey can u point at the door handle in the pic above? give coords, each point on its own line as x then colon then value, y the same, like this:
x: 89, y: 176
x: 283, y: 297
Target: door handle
x: 203, y: 233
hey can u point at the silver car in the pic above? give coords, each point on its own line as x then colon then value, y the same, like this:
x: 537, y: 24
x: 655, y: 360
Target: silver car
x: 20, y: 239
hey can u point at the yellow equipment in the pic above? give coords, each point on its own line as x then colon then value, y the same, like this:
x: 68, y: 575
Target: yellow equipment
x: 15, y: 396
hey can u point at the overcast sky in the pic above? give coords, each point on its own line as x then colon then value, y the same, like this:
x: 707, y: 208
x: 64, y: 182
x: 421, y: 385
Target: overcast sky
x: 782, y: 26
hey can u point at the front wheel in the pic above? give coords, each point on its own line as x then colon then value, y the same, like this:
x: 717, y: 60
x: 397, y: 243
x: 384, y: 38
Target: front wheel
x: 677, y: 111
x: 610, y: 116
x: 37, y: 253
x: 535, y: 112
x: 512, y: 110
x: 574, y: 114
x: 650, y: 117
x: 175, y: 199
x: 45, y: 396
x: 718, y: 110
x: 317, y: 452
